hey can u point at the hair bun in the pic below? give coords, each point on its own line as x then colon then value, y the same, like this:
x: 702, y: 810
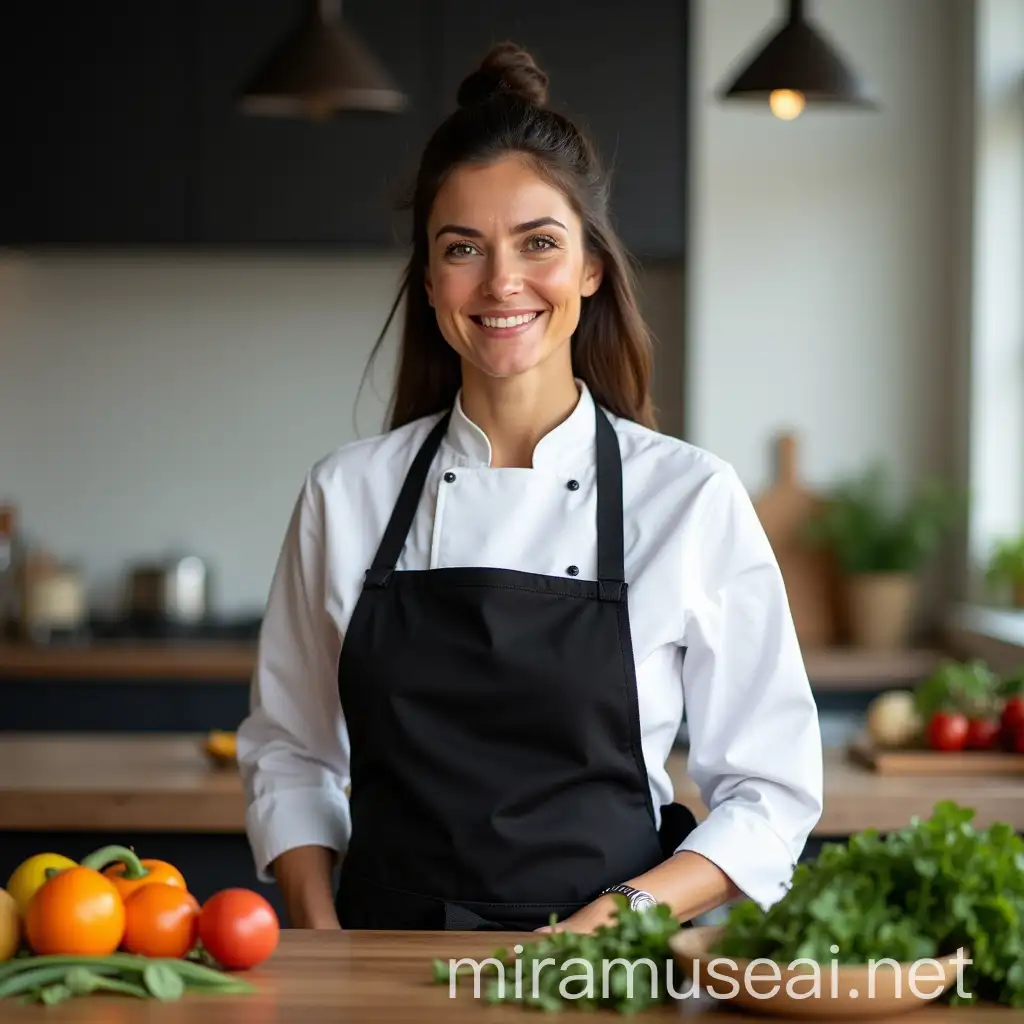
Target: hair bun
x: 507, y: 68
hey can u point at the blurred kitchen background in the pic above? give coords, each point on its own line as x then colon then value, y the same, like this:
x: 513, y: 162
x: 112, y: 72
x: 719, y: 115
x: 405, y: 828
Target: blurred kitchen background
x: 189, y: 294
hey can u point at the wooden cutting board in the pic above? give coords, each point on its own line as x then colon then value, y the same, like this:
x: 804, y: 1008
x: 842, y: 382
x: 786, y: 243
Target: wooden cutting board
x: 809, y: 574
x: 922, y: 761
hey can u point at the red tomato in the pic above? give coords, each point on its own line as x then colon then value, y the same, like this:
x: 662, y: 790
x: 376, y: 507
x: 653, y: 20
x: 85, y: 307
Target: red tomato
x: 982, y: 733
x: 1018, y: 740
x: 947, y: 730
x: 161, y: 919
x: 238, y: 928
x: 1013, y: 714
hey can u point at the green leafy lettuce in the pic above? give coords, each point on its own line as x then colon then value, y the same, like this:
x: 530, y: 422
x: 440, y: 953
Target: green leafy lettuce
x: 923, y: 891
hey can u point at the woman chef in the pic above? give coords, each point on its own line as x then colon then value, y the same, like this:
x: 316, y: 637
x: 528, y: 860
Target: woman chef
x: 487, y: 620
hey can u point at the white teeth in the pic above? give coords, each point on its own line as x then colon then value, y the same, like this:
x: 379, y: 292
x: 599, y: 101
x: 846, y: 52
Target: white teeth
x: 507, y: 321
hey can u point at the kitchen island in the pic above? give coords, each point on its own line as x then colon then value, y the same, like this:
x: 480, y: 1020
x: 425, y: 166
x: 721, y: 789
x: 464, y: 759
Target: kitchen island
x: 75, y: 792
x: 125, y: 686
x: 186, y: 685
x: 165, y: 783
x: 367, y: 977
x: 135, y: 660
x: 233, y: 661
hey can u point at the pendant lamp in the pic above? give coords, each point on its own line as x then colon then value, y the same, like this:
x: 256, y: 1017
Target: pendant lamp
x: 798, y: 67
x: 320, y: 70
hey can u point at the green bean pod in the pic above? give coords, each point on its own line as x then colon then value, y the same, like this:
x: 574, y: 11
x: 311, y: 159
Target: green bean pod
x: 129, y: 966
x: 39, y: 978
x: 20, y: 964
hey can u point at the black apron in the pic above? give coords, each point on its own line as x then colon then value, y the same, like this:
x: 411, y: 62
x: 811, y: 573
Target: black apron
x: 497, y: 775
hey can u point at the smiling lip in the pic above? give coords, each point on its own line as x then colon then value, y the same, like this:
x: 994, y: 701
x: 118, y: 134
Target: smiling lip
x: 506, y: 332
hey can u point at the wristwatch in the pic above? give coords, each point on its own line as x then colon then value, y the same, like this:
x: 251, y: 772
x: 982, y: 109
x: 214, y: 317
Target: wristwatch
x: 638, y: 899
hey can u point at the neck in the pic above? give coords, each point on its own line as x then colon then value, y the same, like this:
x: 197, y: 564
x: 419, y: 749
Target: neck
x: 515, y: 413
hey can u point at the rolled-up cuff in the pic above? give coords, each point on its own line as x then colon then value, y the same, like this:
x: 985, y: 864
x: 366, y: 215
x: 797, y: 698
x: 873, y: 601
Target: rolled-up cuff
x: 292, y: 818
x: 748, y: 850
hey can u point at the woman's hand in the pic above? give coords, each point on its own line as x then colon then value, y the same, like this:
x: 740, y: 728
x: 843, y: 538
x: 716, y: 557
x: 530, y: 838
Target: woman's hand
x: 687, y: 883
x: 587, y: 919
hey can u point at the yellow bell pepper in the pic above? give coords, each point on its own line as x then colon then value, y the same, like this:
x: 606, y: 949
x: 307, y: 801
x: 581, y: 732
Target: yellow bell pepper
x: 221, y: 748
x: 10, y: 926
x: 31, y: 874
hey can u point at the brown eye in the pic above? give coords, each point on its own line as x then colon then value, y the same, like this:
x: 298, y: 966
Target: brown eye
x: 460, y: 249
x: 538, y: 243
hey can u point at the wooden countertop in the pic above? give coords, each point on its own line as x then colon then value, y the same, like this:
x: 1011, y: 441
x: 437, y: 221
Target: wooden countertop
x: 832, y: 669
x: 160, y: 782
x: 211, y: 661
x: 369, y: 977
x: 76, y: 782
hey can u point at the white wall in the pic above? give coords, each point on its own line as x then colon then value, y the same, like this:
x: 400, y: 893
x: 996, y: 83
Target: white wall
x: 148, y: 402
x: 152, y: 401
x: 821, y: 254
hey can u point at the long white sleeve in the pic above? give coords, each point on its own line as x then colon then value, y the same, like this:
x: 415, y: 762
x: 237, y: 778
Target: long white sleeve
x: 293, y: 747
x: 755, y: 742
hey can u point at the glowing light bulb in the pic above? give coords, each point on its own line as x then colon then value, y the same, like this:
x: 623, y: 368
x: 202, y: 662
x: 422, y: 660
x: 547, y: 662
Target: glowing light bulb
x: 787, y: 104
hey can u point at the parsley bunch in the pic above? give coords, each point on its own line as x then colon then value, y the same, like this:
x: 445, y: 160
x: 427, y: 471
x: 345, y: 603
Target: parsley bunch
x: 585, y: 974
x: 970, y: 687
x: 922, y: 891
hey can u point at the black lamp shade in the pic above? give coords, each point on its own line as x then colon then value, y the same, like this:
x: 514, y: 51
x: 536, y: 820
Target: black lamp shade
x: 799, y: 58
x: 321, y: 70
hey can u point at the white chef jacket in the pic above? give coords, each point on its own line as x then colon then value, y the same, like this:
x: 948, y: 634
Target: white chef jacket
x: 702, y: 579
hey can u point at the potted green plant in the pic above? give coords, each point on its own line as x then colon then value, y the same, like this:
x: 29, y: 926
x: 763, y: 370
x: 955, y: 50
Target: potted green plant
x: 880, y: 544
x: 1006, y: 567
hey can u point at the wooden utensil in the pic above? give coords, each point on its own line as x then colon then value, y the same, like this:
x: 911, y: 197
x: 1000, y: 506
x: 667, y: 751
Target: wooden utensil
x: 921, y: 761
x: 849, y: 992
x: 809, y: 574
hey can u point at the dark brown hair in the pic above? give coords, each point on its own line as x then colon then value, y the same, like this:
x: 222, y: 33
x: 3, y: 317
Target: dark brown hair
x: 502, y: 110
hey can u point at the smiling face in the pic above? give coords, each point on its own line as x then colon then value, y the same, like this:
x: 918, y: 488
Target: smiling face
x: 507, y: 269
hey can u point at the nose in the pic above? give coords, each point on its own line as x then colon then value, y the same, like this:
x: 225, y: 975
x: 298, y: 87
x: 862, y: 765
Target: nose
x: 503, y: 277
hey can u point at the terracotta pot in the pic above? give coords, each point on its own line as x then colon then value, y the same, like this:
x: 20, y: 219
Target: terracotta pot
x: 880, y: 609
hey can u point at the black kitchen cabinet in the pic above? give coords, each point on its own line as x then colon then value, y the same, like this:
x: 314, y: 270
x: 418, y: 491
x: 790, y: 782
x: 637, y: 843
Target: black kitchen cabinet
x: 281, y: 182
x: 121, y: 126
x: 620, y: 69
x: 96, y: 122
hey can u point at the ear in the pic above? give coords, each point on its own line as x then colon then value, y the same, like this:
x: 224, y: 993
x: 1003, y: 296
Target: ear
x: 593, y: 274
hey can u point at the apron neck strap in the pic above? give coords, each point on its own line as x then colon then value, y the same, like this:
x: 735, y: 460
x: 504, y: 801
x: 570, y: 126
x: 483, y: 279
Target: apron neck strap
x: 611, y: 573
x: 610, y: 561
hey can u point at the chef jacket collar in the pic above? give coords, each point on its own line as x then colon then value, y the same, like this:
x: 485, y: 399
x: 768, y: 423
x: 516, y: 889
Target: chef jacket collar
x: 557, y: 449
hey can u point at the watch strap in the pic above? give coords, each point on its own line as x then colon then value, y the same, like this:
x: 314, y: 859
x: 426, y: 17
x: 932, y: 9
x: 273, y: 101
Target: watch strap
x: 635, y: 896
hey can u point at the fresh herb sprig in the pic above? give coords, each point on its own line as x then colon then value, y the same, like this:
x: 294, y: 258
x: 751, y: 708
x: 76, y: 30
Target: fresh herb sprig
x: 969, y: 687
x: 633, y: 936
x: 922, y: 891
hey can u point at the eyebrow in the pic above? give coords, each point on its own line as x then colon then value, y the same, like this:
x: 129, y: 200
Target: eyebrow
x: 530, y: 225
